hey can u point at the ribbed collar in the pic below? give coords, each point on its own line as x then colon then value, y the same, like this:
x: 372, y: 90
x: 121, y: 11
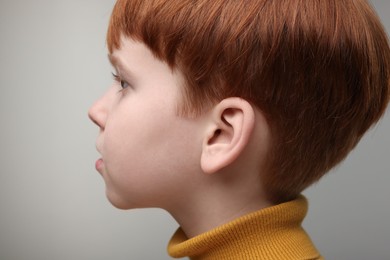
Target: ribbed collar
x: 271, y: 233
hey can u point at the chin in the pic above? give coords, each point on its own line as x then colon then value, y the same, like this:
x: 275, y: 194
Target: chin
x: 118, y: 202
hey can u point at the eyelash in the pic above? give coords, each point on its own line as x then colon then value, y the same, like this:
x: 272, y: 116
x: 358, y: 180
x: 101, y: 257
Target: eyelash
x: 123, y: 83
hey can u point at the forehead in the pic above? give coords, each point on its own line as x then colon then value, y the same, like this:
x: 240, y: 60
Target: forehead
x: 135, y: 59
x: 130, y: 56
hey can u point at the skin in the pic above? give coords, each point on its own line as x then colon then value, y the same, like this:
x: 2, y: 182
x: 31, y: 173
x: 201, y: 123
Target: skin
x: 204, y: 171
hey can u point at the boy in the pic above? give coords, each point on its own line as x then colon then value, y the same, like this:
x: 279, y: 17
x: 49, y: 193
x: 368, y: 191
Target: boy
x: 224, y: 111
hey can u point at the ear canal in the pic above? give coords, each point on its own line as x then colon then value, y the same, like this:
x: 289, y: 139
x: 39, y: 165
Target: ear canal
x: 213, y: 139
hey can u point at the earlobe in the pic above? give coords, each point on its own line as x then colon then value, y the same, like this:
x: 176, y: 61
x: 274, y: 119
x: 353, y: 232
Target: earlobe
x: 229, y: 132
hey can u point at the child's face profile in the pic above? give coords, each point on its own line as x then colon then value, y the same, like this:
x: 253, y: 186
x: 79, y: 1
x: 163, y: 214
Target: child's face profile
x: 148, y: 151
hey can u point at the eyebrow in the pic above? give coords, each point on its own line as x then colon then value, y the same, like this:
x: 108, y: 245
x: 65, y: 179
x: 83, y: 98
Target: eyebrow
x: 115, y: 62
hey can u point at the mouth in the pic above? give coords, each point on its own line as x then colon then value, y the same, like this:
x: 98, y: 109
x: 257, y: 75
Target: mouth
x: 99, y: 165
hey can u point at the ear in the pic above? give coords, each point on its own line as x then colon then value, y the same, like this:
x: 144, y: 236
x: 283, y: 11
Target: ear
x: 230, y: 128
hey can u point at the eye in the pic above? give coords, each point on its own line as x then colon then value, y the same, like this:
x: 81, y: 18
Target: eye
x: 117, y: 78
x: 124, y: 84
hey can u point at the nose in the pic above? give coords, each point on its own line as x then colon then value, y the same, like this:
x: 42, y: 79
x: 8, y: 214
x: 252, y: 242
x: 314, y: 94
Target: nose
x: 98, y: 113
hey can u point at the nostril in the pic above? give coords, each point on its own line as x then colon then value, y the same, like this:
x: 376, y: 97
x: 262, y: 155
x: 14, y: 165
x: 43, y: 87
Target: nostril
x: 94, y: 121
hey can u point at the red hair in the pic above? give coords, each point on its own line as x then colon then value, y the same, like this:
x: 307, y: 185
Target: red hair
x: 319, y: 70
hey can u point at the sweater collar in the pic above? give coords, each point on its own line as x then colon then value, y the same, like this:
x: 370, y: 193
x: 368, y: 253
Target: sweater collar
x: 264, y: 234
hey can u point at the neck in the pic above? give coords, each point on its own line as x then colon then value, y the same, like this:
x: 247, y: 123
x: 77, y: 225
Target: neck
x: 217, y: 202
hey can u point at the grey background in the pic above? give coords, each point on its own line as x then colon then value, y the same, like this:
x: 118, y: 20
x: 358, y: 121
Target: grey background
x: 53, y: 65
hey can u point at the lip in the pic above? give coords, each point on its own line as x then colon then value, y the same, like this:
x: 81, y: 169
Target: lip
x: 99, y: 164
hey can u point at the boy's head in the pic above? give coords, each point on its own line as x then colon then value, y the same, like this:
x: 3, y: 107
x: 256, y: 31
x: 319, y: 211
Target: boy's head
x: 319, y: 71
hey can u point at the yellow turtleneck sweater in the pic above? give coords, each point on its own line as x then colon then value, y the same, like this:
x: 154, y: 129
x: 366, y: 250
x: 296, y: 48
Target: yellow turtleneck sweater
x: 271, y: 233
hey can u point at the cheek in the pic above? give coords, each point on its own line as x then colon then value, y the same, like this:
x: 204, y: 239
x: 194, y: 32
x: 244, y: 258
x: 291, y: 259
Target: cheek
x: 135, y: 135
x: 145, y: 131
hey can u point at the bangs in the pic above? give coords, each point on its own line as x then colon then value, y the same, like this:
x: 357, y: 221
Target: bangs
x: 158, y: 24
